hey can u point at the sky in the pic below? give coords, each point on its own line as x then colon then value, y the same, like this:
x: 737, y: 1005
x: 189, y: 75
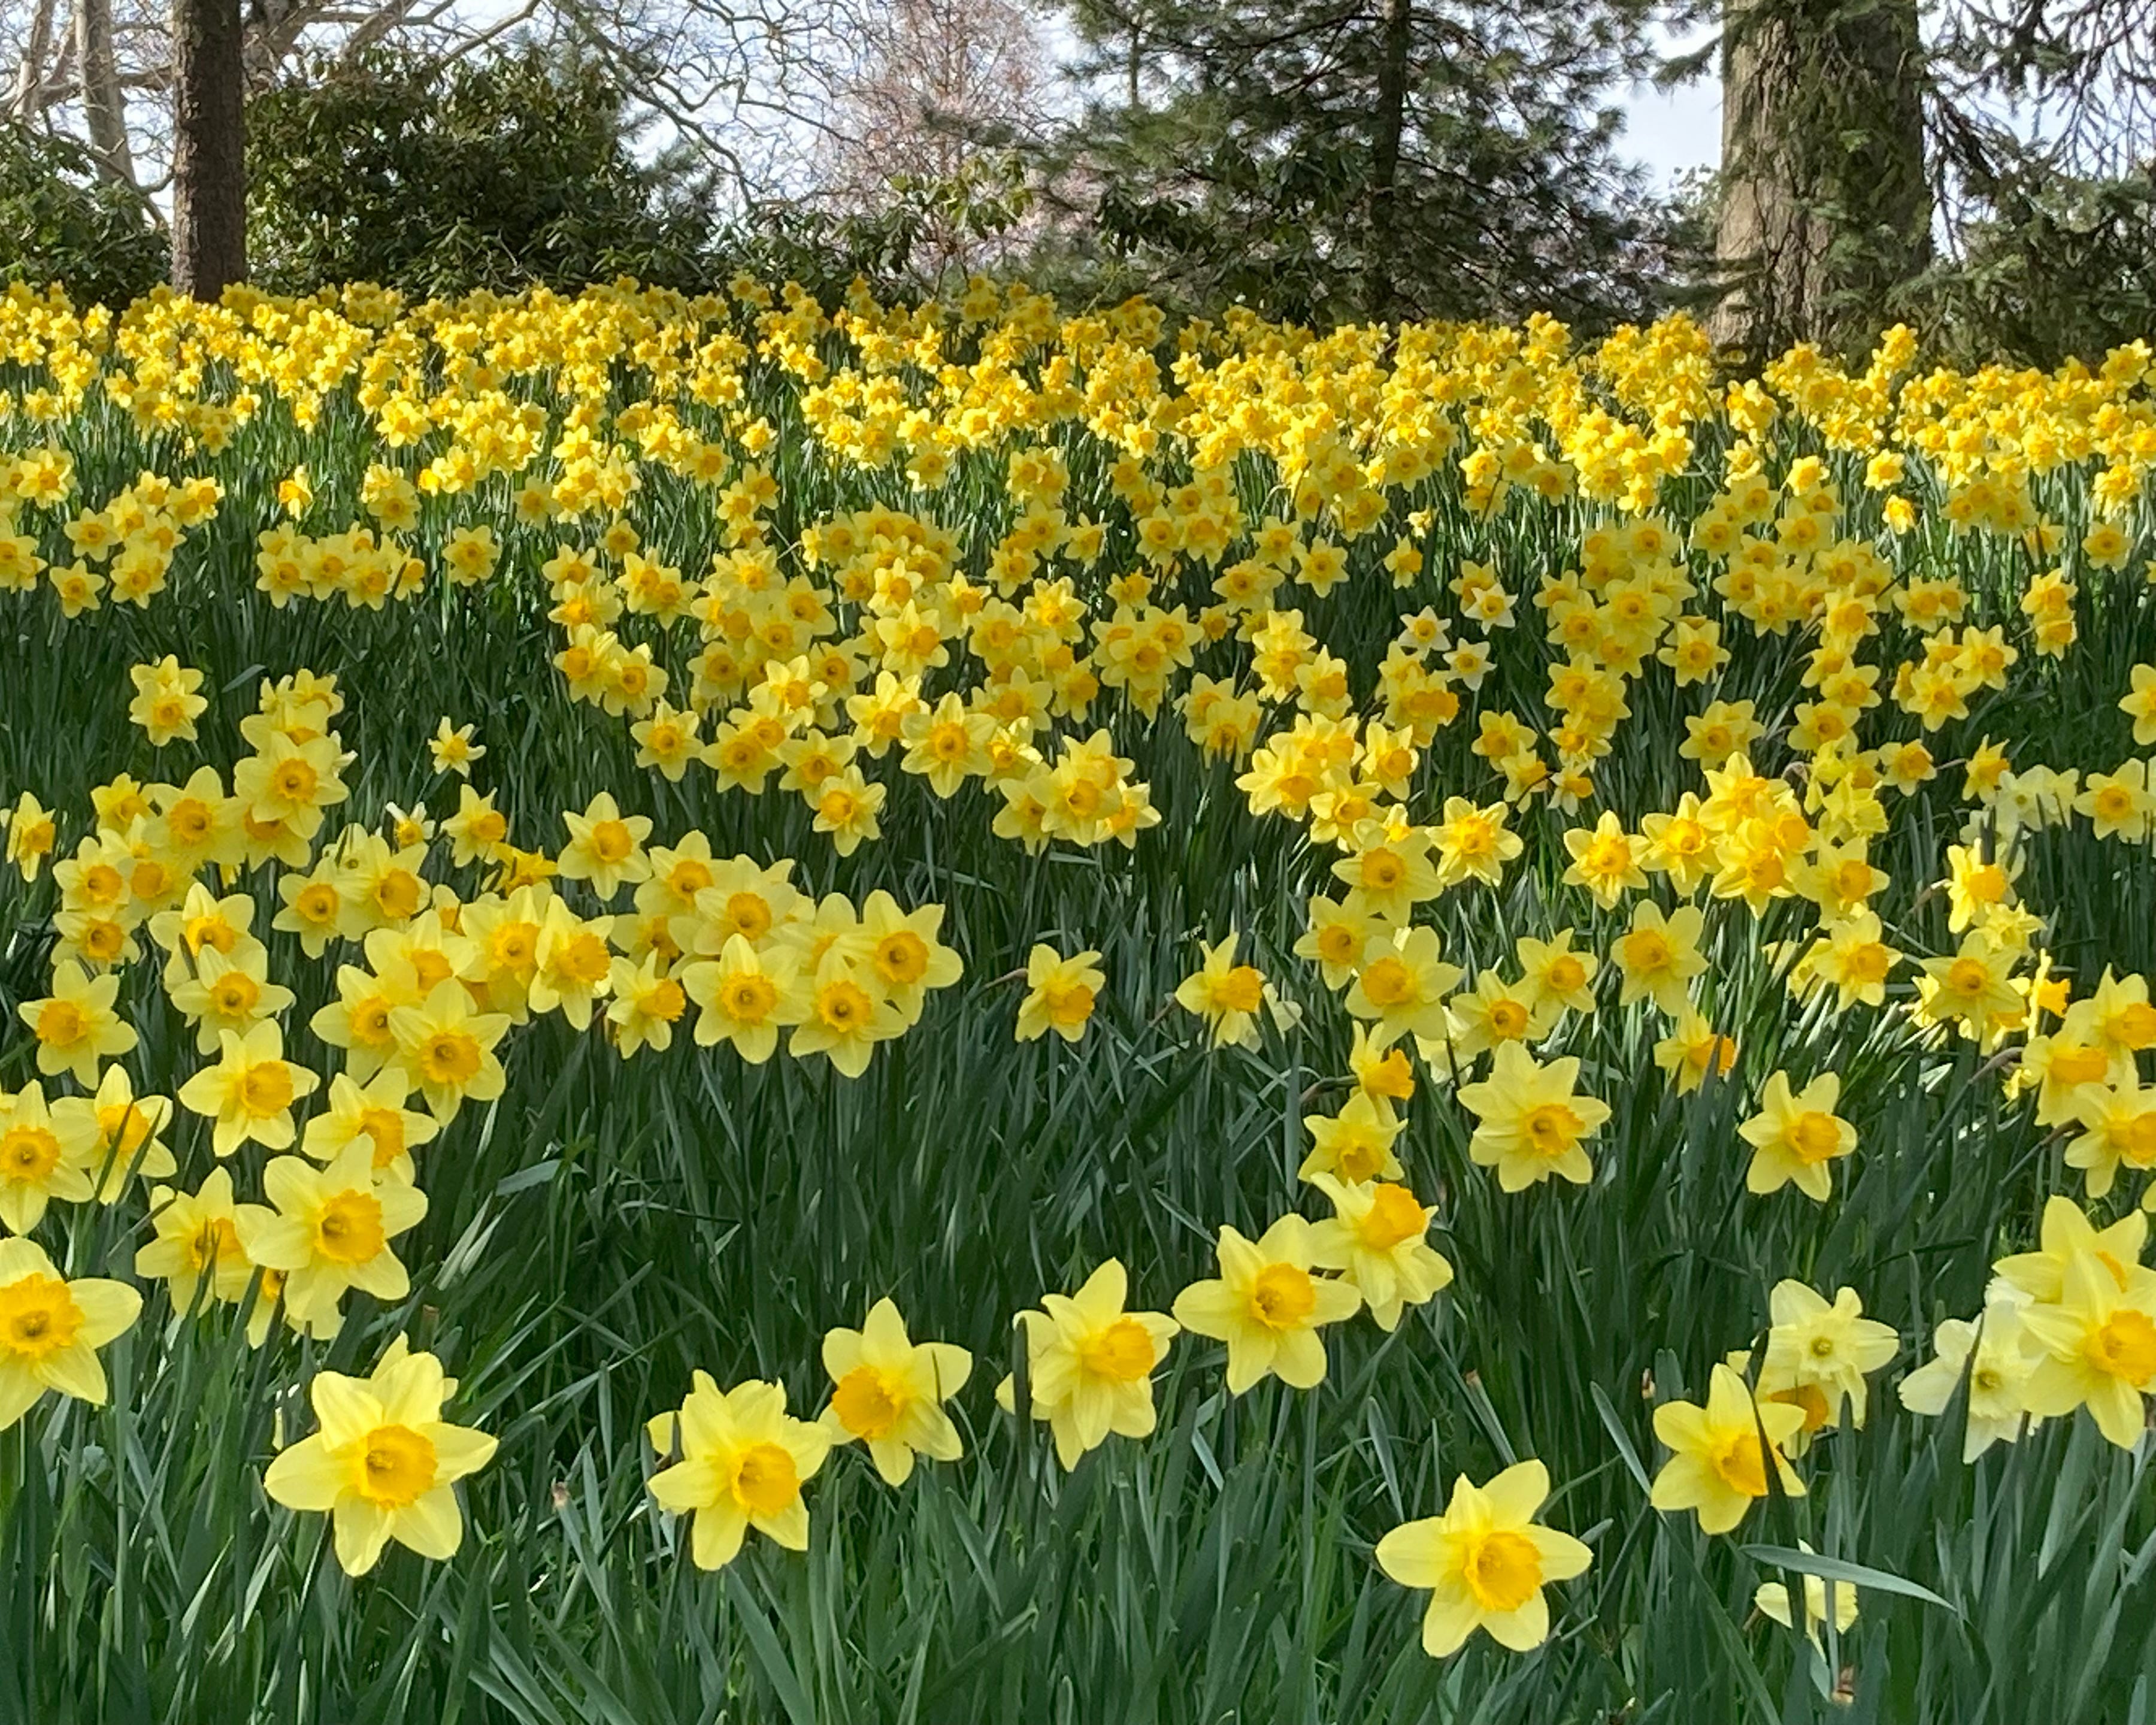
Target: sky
x: 1674, y: 131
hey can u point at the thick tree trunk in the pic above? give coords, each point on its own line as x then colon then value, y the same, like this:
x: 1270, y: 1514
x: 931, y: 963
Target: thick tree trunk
x: 104, y: 114
x: 1826, y: 203
x: 209, y: 166
x: 1388, y: 123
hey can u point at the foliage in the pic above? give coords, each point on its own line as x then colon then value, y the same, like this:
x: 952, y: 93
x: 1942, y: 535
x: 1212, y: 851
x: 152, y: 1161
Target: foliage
x: 62, y: 220
x: 499, y: 171
x: 1250, y: 157
x: 2048, y: 263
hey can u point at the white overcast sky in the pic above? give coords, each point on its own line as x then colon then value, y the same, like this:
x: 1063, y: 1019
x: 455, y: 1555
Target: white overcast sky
x: 1672, y: 132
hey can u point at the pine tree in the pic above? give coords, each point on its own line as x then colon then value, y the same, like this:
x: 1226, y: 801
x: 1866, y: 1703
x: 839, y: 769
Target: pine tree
x: 209, y: 148
x: 1367, y: 159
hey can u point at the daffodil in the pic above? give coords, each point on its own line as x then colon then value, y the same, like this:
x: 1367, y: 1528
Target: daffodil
x: 1694, y: 1051
x: 76, y: 1027
x: 1227, y: 996
x: 647, y: 1003
x: 445, y: 1048
x: 574, y: 967
x: 249, y: 1092
x: 900, y: 948
x: 1377, y: 1240
x: 1772, y: 1599
x: 1819, y: 1354
x: 1356, y: 1143
x: 606, y: 847
x: 1388, y: 874
x: 742, y: 1461
x: 165, y: 703
x: 331, y: 1229
x: 846, y: 1013
x: 1722, y: 1454
x: 888, y: 1391
x: 198, y: 1240
x: 1337, y: 935
x: 1605, y: 860
x: 129, y: 1134
x: 1559, y: 979
x: 32, y: 835
x: 1659, y: 955
x: 51, y: 1328
x: 2099, y: 1341
x: 1994, y: 1357
x: 1060, y: 994
x: 373, y: 1115
x: 1267, y: 1307
x: 384, y: 1463
x: 1090, y: 1363
x: 2066, y: 1233
x: 1796, y: 1136
x: 745, y: 997
x: 226, y: 992
x: 1485, y: 1561
x: 453, y: 749
x: 1402, y: 984
x: 1531, y: 1123
x: 46, y: 1151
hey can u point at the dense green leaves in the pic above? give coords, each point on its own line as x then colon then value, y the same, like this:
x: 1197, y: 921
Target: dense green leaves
x: 1334, y: 158
x: 500, y: 172
x: 62, y: 220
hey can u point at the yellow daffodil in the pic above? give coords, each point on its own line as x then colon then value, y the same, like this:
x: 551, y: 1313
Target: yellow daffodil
x: 1796, y: 1136
x: 51, y: 1328
x: 742, y: 1461
x: 249, y: 1092
x: 888, y: 1391
x: 76, y: 1027
x: 1090, y: 1365
x: 198, y: 1241
x: 1659, y: 955
x: 1818, y: 1355
x: 331, y: 1229
x: 373, y: 1115
x: 1530, y: 1122
x: 1227, y: 996
x: 1060, y: 994
x: 2099, y: 1337
x: 446, y: 1049
x: 1485, y: 1561
x: 1267, y: 1307
x: 384, y: 1463
x: 1772, y: 1599
x: 1994, y: 1357
x: 1723, y: 1453
x: 1377, y: 1240
x: 453, y: 750
x: 46, y: 1151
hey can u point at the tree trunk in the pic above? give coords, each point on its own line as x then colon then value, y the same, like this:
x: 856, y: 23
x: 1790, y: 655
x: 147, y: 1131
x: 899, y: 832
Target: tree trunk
x: 1387, y: 122
x: 1825, y: 205
x: 209, y: 166
x: 104, y: 114
x: 29, y: 78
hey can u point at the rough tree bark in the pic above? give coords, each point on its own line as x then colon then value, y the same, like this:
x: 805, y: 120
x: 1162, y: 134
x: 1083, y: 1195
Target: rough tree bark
x: 1387, y: 125
x: 1826, y: 204
x: 209, y: 166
